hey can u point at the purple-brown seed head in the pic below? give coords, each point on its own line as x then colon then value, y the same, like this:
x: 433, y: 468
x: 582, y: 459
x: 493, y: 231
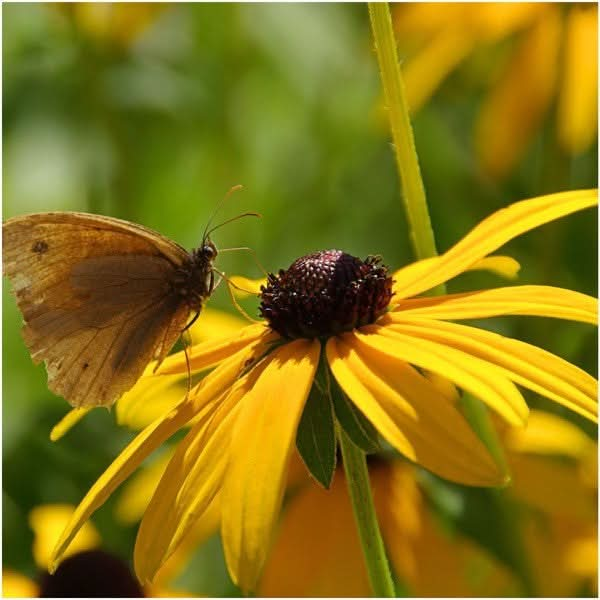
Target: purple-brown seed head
x: 325, y: 293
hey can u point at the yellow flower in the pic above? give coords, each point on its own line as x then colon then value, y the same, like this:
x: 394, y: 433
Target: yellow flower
x: 247, y: 410
x: 551, y: 462
x: 552, y: 54
x: 83, y: 562
x: 112, y: 22
x: 317, y: 551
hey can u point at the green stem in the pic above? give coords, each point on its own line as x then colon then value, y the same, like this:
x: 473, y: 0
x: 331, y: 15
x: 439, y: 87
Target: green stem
x: 421, y: 233
x: 357, y: 476
x: 415, y: 202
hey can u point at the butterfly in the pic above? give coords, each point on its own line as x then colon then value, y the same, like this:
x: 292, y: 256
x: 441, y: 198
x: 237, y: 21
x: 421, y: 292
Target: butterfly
x: 101, y: 298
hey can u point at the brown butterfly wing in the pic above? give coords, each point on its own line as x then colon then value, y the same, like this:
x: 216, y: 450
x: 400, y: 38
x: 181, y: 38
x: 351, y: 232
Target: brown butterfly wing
x: 96, y: 299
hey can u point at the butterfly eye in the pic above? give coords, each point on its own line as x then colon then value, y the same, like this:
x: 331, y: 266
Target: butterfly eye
x: 209, y: 251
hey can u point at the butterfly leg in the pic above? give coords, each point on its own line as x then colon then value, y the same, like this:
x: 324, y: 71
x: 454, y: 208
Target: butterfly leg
x: 236, y: 304
x: 252, y: 253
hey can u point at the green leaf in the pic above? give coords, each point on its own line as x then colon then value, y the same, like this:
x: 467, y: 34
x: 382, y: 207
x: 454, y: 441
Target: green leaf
x: 315, y: 438
x: 354, y: 423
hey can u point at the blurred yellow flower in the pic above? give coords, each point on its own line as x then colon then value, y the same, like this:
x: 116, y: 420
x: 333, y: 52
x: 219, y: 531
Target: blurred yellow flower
x: 248, y: 409
x: 15, y: 585
x: 550, y: 462
x: 116, y: 22
x: 47, y: 522
x: 317, y: 550
x: 548, y: 57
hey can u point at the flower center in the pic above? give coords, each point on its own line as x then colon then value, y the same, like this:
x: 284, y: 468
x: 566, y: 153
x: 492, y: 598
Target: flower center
x: 325, y: 293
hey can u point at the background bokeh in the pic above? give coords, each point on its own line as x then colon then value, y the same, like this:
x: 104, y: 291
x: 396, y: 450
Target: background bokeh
x: 152, y: 112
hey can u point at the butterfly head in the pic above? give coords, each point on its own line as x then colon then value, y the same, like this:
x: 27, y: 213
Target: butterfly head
x: 194, y: 280
x: 208, y: 251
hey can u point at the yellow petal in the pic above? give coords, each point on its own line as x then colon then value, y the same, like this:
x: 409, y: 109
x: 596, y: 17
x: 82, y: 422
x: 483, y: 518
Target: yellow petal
x: 205, y: 526
x: 190, y: 482
x: 548, y: 434
x: 518, y: 103
x: 148, y: 441
x: 503, y: 266
x: 15, y: 585
x: 262, y: 442
x: 484, y: 380
x: 578, y: 102
x: 47, y: 522
x: 151, y: 397
x: 68, y: 421
x: 410, y: 413
x: 244, y: 287
x: 444, y: 386
x: 486, y: 237
x: 527, y: 365
x: 213, y: 324
x: 533, y: 300
x: 213, y: 351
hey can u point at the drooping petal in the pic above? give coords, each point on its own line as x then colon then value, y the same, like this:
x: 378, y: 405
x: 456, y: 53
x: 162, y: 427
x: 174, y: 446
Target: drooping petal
x: 424, y: 72
x: 410, y: 412
x: 262, y: 441
x: 484, y: 380
x: 190, y: 482
x: 533, y: 300
x: 205, y: 526
x: 133, y: 455
x: 518, y: 102
x: 47, y: 522
x: 486, y: 237
x: 146, y: 442
x: 213, y: 351
x: 523, y: 363
x: 578, y: 103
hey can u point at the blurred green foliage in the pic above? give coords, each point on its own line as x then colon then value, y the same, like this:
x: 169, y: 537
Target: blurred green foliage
x: 156, y: 125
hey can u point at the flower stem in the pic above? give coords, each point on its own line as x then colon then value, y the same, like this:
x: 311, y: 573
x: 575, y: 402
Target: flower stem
x: 421, y: 233
x: 357, y: 476
x: 415, y: 203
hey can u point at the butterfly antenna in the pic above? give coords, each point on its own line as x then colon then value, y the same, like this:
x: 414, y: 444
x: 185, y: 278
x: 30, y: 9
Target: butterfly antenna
x: 246, y: 214
x: 217, y: 208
